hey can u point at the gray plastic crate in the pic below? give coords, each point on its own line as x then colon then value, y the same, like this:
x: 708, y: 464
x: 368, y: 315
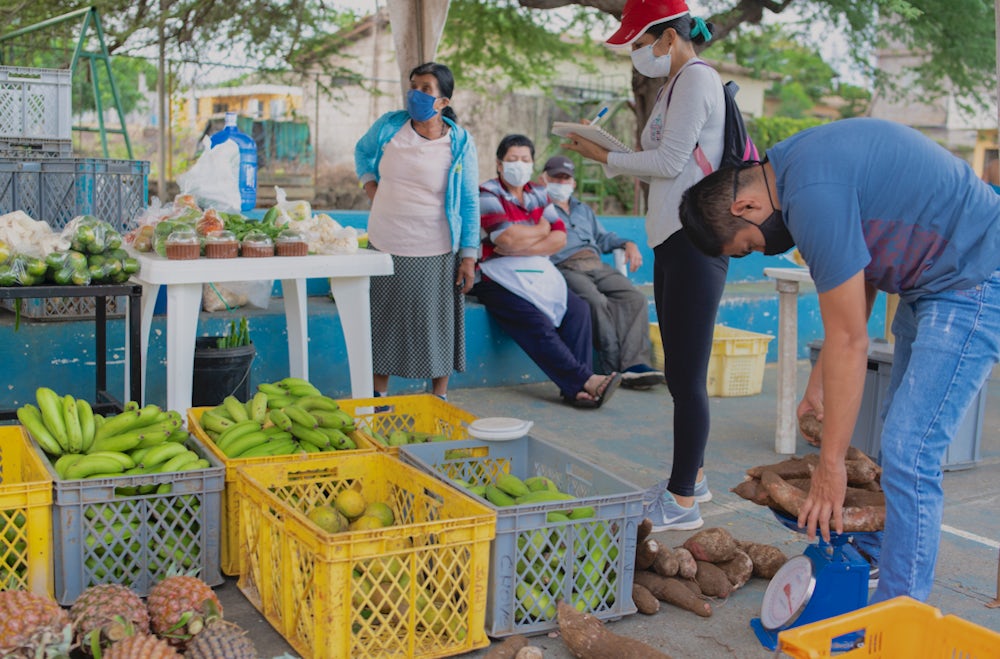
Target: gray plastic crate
x: 35, y: 104
x: 58, y: 189
x: 534, y: 564
x: 962, y: 453
x: 99, y: 536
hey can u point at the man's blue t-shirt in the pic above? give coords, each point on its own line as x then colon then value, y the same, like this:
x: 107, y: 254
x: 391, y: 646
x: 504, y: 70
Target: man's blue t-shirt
x: 875, y: 195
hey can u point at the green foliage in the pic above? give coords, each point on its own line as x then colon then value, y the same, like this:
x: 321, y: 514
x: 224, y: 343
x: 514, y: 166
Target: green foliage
x: 128, y: 73
x: 486, y: 43
x: 768, y: 131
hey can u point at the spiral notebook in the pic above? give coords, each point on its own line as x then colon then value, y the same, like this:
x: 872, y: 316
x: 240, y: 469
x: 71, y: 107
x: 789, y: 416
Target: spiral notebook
x: 595, y: 134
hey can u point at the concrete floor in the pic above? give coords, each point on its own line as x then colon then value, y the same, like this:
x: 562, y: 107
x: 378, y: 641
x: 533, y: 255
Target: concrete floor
x: 631, y: 438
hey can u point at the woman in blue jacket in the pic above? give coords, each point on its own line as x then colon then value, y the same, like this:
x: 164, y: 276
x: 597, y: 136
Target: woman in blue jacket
x: 419, y: 169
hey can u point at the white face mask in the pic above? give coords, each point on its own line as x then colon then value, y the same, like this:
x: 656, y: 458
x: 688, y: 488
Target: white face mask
x: 559, y: 192
x: 648, y: 64
x: 516, y: 173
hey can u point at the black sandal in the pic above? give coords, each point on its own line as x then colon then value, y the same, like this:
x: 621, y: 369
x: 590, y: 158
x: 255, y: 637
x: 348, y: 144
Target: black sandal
x: 604, y: 394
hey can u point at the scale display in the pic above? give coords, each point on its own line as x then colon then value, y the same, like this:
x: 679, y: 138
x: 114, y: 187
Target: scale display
x: 827, y: 580
x: 788, y: 593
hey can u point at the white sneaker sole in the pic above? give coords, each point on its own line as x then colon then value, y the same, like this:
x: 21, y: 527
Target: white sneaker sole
x: 681, y: 526
x: 704, y: 498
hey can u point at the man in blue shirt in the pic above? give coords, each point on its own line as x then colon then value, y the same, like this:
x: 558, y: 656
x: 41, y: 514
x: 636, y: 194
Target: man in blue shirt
x: 874, y: 205
x: 619, y: 311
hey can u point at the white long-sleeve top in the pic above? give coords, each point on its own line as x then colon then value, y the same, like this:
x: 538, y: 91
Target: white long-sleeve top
x: 696, y: 115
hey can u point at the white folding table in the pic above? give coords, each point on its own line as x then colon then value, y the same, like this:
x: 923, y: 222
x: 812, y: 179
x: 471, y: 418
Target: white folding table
x: 349, y: 282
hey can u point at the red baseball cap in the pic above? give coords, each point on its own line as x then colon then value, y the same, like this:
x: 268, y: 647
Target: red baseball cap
x: 639, y: 15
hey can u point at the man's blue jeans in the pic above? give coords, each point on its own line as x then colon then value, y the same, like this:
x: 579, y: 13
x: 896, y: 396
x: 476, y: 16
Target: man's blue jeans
x: 946, y: 346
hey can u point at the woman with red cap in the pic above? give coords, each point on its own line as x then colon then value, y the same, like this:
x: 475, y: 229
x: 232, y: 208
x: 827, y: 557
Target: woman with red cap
x: 681, y: 142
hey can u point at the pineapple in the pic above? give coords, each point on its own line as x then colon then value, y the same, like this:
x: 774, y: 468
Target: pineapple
x: 107, y: 613
x: 221, y: 640
x: 33, y: 626
x: 141, y: 646
x: 180, y: 607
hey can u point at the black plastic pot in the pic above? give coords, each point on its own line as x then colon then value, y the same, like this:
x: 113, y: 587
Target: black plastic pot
x: 220, y: 372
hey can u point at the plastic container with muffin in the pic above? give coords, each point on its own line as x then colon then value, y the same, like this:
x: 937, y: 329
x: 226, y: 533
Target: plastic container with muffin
x: 183, y: 245
x: 257, y: 244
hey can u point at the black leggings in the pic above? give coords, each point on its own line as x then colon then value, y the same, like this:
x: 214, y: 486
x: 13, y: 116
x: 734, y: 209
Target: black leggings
x: 687, y: 287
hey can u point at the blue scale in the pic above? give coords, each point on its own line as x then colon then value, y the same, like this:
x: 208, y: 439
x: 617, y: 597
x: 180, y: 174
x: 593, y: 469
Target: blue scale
x: 827, y: 580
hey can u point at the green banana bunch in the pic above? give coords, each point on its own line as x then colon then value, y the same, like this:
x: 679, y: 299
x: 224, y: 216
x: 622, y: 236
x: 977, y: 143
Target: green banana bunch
x: 282, y: 418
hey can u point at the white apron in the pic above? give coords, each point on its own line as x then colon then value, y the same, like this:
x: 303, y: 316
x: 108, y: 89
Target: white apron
x: 534, y: 278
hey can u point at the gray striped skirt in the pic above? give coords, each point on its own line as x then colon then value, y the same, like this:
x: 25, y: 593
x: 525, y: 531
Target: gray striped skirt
x: 418, y: 319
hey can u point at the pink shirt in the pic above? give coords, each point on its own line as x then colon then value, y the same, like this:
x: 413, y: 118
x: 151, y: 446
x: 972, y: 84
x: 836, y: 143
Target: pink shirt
x: 407, y: 216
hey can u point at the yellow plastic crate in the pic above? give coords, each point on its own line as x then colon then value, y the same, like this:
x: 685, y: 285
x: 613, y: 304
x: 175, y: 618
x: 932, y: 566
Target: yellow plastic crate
x: 316, y: 588
x: 229, y: 557
x: 900, y: 627
x: 736, y: 367
x: 413, y: 413
x: 25, y: 516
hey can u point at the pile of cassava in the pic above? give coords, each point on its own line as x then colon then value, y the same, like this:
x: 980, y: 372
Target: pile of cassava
x: 711, y: 563
x: 784, y: 486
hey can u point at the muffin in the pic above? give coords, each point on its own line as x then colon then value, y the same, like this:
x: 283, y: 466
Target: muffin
x: 291, y: 243
x: 257, y: 244
x: 221, y: 245
x: 183, y: 244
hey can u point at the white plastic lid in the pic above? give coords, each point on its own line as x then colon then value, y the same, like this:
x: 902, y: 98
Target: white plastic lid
x: 499, y: 428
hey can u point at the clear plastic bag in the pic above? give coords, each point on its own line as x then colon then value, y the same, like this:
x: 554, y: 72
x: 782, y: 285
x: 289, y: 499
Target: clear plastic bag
x: 235, y: 294
x: 214, y: 180
x: 290, y: 211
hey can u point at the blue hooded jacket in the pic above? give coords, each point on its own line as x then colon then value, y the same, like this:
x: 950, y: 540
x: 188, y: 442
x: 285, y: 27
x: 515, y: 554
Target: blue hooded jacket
x: 461, y: 200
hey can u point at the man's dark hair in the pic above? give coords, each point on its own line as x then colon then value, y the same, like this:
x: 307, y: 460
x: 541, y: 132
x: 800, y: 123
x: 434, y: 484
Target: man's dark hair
x: 446, y: 83
x: 705, y: 210
x: 514, y: 140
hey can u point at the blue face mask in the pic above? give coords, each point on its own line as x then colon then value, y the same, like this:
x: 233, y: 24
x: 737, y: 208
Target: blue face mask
x: 420, y: 105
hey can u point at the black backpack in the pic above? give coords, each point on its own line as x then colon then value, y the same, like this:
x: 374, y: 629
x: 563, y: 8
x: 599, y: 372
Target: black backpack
x: 737, y: 147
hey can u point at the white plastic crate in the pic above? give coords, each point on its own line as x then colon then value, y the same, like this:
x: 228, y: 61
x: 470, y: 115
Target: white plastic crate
x: 35, y: 104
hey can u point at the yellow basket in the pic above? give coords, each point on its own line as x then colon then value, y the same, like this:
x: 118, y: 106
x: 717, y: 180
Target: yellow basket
x: 230, y: 558
x: 25, y: 516
x: 316, y: 588
x: 736, y: 367
x: 900, y: 627
x: 414, y: 413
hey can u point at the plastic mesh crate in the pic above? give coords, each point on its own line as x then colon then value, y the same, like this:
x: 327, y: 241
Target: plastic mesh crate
x: 100, y: 535
x: 35, y: 104
x: 415, y: 413
x: 229, y: 556
x: 736, y: 367
x: 17, y: 149
x: 318, y: 589
x: 65, y: 308
x: 25, y: 516
x: 588, y: 562
x: 59, y: 189
x: 900, y: 627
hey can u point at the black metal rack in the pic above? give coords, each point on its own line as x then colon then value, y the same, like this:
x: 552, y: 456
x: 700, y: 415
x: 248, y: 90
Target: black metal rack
x: 104, y: 401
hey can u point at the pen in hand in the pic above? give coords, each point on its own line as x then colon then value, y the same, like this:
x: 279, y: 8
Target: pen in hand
x: 600, y: 115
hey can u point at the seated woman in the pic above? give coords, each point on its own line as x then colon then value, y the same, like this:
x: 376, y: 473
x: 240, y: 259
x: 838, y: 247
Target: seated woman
x: 520, y: 287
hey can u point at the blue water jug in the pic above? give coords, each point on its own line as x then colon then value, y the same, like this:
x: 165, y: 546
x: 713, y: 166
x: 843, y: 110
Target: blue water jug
x: 248, y: 160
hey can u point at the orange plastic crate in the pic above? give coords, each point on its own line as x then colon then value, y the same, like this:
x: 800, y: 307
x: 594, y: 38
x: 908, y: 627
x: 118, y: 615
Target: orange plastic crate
x: 316, y: 588
x: 25, y: 515
x: 414, y: 413
x: 229, y: 556
x: 900, y: 627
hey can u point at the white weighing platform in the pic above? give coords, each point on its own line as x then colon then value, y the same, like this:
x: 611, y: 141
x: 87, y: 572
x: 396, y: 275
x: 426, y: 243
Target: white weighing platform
x: 349, y: 282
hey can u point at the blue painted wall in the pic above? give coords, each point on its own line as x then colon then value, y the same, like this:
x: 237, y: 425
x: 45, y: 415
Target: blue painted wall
x: 60, y: 354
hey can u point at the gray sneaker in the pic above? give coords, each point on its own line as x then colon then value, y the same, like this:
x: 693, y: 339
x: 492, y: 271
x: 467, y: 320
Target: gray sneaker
x: 701, y: 492
x: 667, y: 515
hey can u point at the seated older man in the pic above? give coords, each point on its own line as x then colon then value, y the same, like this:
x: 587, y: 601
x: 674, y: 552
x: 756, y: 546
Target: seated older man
x: 618, y: 310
